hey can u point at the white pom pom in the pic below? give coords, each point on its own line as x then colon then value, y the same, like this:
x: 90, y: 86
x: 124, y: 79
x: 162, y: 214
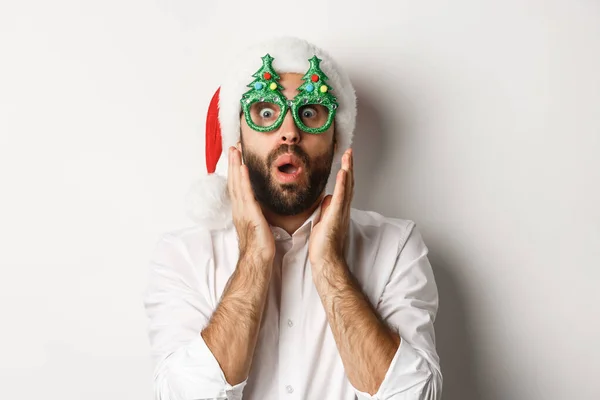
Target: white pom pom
x: 207, y: 202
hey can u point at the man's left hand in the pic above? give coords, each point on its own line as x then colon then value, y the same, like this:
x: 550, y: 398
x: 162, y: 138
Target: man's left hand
x: 326, y: 244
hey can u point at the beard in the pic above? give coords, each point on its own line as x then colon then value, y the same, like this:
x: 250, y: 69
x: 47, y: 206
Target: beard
x: 288, y: 198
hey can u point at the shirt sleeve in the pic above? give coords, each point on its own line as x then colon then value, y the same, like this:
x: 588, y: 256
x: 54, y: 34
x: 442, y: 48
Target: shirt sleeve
x: 178, y: 309
x: 409, y: 304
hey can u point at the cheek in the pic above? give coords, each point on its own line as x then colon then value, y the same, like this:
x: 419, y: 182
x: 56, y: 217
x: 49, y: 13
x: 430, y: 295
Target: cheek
x: 255, y: 142
x: 319, y: 144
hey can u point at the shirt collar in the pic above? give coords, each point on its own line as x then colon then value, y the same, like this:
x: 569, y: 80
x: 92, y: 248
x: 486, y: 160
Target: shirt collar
x: 308, y: 224
x: 314, y: 216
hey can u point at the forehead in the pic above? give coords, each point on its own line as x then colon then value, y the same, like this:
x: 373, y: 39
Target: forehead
x: 290, y: 80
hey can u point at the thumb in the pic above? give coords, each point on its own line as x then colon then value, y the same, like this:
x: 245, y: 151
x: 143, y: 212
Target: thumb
x: 325, y: 205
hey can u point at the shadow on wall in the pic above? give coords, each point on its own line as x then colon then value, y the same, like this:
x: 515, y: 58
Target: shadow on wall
x: 453, y: 344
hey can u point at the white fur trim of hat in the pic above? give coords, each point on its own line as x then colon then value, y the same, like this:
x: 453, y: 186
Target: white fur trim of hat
x: 207, y: 202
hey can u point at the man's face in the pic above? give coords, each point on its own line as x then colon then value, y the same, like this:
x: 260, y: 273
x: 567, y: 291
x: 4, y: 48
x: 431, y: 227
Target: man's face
x: 288, y: 168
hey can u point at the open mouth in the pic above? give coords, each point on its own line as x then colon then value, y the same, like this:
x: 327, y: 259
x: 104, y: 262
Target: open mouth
x: 288, y: 168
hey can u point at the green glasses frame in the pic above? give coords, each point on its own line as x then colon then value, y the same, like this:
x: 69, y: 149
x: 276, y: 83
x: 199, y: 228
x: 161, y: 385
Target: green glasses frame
x: 314, y: 91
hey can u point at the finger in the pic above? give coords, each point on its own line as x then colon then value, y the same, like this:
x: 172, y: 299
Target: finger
x: 346, y: 162
x: 235, y: 171
x: 339, y: 191
x: 230, y: 184
x: 324, y: 206
x: 351, y: 162
x: 245, y: 186
x: 238, y: 147
x: 350, y: 180
x: 348, y: 166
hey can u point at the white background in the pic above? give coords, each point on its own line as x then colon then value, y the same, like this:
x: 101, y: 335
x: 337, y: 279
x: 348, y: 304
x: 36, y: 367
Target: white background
x: 480, y: 120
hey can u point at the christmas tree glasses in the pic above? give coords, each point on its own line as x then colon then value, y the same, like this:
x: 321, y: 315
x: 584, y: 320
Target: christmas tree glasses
x: 265, y: 106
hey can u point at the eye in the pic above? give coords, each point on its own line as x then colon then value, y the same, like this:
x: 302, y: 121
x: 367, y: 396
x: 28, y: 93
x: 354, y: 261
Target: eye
x: 266, y: 113
x: 308, y: 113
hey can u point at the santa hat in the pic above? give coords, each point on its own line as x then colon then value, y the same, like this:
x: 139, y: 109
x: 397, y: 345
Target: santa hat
x: 208, y: 201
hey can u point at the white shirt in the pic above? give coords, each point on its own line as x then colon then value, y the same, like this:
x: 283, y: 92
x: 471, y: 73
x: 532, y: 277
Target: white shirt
x: 296, y: 356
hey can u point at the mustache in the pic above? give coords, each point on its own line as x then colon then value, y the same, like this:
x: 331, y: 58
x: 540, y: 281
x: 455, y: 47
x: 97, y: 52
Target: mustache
x: 288, y: 148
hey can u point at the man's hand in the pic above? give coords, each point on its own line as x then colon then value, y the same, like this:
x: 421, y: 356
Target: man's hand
x: 366, y: 345
x: 328, y: 236
x: 232, y: 331
x: 255, y: 237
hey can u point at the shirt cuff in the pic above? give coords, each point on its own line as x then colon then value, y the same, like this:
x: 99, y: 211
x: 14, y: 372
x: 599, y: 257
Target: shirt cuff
x: 407, y: 374
x: 193, y: 372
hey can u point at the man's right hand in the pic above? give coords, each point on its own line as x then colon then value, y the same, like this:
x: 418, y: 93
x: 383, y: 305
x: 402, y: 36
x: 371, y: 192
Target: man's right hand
x: 232, y: 331
x: 255, y: 237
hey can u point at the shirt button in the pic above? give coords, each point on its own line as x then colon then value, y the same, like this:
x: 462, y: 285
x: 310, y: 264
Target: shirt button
x: 277, y: 236
x: 290, y: 323
x: 289, y: 388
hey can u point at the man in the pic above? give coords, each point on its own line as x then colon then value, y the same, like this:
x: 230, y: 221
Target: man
x: 282, y: 292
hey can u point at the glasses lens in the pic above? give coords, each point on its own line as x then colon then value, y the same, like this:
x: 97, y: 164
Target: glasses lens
x: 313, y: 115
x: 264, y: 114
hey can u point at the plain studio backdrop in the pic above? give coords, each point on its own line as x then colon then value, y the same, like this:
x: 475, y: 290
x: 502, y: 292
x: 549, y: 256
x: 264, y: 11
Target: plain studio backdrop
x: 479, y: 120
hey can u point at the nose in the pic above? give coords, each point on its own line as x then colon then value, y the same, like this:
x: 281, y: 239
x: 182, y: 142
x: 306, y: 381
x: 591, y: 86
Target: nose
x: 288, y: 131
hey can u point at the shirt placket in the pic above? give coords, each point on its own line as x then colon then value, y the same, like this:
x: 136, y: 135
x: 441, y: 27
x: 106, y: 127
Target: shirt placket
x: 289, y: 318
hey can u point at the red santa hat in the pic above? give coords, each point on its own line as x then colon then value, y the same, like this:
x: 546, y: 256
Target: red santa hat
x: 208, y: 201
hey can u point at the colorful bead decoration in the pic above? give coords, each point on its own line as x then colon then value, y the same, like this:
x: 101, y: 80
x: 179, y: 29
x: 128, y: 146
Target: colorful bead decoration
x: 314, y: 90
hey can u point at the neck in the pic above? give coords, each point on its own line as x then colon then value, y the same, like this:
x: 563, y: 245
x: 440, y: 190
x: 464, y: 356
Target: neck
x: 290, y: 223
